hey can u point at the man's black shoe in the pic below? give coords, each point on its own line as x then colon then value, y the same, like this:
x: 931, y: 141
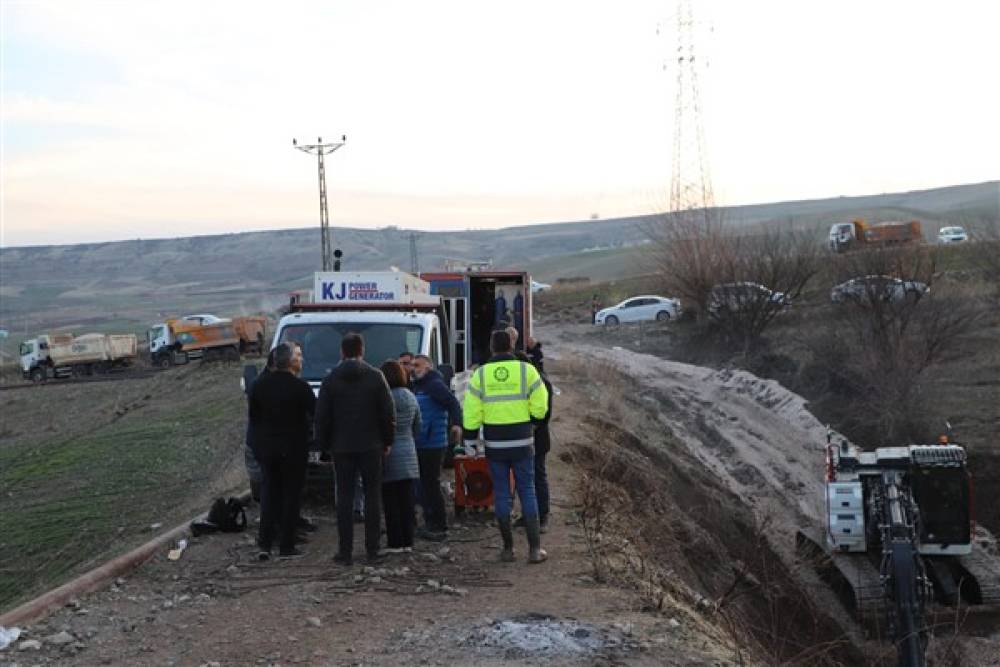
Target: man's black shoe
x: 375, y: 558
x: 306, y: 525
x: 431, y: 535
x: 343, y: 559
x: 285, y: 554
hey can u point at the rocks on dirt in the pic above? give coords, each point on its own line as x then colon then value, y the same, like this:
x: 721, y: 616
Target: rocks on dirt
x: 314, y: 621
x: 60, y: 639
x: 29, y: 645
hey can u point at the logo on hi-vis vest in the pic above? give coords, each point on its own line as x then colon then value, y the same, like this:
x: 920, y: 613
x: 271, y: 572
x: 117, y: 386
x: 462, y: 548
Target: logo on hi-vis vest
x: 500, y: 374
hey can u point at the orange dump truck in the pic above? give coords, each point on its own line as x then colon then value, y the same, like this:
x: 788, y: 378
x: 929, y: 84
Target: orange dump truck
x: 856, y: 234
x: 178, y: 341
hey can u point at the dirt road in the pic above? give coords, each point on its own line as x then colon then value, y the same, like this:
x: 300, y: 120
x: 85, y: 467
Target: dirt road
x: 450, y: 603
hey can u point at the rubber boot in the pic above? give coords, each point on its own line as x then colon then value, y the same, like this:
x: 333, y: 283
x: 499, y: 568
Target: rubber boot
x: 507, y: 554
x: 536, y: 554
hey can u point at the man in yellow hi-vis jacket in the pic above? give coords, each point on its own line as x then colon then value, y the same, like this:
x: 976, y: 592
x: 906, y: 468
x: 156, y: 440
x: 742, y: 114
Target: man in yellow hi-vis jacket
x: 503, y: 398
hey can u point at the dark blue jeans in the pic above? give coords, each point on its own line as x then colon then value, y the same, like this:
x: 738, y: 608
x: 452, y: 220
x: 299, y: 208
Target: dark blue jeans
x: 524, y: 482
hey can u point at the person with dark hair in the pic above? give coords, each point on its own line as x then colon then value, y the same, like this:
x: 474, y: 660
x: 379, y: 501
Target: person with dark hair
x: 401, y: 465
x: 281, y: 411
x: 356, y: 420
x: 437, y: 406
x: 405, y: 360
x: 502, y: 398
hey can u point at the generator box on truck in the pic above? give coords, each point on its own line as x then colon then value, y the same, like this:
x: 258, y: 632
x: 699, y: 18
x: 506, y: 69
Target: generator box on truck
x: 65, y: 355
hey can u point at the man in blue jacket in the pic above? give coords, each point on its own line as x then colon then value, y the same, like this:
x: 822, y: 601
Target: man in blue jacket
x: 437, y: 406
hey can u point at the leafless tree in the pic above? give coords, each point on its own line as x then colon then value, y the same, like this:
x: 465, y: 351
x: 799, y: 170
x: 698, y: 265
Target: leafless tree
x: 886, y: 336
x: 688, y: 248
x: 760, y: 277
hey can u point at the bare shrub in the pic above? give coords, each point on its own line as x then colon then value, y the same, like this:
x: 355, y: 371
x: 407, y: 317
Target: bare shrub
x: 985, y: 247
x: 882, y: 342
x: 688, y: 248
x: 761, y: 277
x: 696, y: 251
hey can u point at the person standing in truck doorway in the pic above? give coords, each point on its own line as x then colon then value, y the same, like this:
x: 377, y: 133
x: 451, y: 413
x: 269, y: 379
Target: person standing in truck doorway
x: 502, y: 398
x: 281, y: 409
x: 356, y: 420
x: 438, y: 406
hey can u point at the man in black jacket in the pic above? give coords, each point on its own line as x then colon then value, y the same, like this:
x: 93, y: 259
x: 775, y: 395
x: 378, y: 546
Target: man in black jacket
x: 281, y: 411
x: 356, y: 420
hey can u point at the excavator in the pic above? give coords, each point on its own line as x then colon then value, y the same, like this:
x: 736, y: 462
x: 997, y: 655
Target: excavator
x: 898, y: 540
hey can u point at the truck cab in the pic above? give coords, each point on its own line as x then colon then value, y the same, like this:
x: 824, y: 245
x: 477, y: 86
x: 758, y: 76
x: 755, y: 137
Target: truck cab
x: 33, y: 355
x: 393, y: 311
x: 843, y: 235
x: 386, y: 334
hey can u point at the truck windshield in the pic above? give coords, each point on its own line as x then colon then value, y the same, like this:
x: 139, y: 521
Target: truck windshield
x: 320, y: 343
x: 156, y: 332
x: 27, y: 348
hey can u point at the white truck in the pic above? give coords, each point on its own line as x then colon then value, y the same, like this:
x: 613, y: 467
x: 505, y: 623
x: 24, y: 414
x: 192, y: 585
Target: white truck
x: 63, y: 355
x: 447, y: 316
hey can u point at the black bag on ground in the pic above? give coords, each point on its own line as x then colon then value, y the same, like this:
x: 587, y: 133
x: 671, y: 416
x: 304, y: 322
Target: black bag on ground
x: 227, y: 516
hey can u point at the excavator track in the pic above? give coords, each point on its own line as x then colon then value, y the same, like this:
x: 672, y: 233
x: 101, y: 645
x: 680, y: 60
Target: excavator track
x: 852, y: 575
x: 984, y: 572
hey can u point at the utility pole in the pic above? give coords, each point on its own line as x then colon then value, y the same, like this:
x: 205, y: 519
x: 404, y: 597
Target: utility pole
x: 319, y: 149
x: 414, y: 263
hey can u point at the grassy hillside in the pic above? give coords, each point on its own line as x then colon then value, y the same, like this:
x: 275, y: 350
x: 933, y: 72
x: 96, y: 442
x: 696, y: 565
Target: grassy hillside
x: 87, y: 481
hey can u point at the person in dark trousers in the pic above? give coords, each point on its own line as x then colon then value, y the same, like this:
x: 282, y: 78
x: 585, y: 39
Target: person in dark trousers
x: 437, y: 406
x: 356, y: 420
x: 534, y: 350
x: 303, y: 525
x: 543, y: 444
x: 504, y: 398
x: 401, y: 466
x: 281, y: 412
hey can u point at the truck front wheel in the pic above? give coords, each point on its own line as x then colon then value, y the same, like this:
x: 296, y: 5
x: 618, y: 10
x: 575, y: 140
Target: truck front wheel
x: 38, y: 374
x: 164, y: 362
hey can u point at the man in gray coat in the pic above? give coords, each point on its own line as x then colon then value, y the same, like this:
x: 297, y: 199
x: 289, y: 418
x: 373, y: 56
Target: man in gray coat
x: 356, y: 421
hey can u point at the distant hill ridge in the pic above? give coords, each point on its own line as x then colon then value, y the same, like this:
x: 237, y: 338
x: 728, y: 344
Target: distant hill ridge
x: 122, y: 282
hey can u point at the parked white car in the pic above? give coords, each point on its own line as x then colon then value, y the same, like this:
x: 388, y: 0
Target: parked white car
x: 878, y: 288
x: 540, y: 287
x: 952, y: 235
x: 645, y: 308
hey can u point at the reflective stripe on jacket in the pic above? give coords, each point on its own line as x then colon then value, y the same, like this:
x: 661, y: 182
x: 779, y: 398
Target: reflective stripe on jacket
x: 502, y: 397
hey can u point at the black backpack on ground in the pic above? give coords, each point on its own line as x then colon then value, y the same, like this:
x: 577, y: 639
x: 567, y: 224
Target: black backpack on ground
x: 227, y: 516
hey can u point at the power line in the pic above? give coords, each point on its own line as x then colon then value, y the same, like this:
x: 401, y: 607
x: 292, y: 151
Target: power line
x: 319, y: 149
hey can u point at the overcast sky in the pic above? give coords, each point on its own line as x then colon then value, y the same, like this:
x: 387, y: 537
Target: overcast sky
x: 149, y: 119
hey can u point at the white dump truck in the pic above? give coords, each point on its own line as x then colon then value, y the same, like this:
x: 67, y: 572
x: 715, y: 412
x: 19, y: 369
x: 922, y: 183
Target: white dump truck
x: 64, y: 355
